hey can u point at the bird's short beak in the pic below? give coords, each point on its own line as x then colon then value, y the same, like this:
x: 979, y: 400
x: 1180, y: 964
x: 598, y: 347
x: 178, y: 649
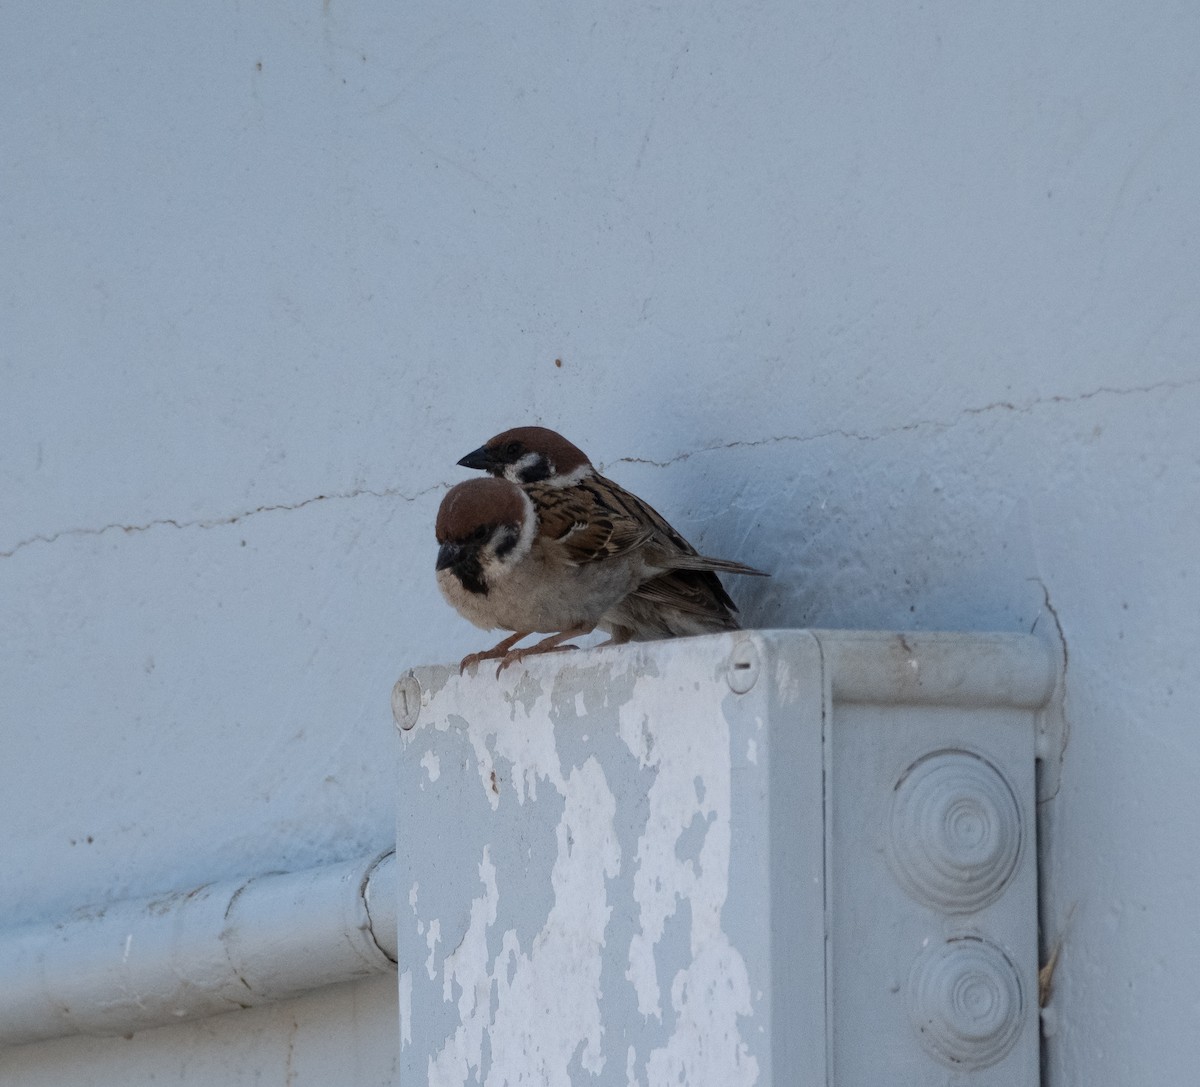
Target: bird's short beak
x: 448, y: 555
x: 480, y: 458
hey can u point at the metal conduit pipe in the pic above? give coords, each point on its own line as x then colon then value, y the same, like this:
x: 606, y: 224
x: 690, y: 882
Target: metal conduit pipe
x: 237, y: 944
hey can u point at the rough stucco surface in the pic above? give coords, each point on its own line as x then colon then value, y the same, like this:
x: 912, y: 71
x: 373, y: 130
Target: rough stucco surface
x: 899, y: 304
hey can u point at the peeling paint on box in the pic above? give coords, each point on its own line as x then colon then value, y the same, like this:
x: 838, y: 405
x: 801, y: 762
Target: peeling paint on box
x: 467, y: 967
x: 708, y: 999
x: 405, y: 1008
x: 537, y: 998
x: 692, y: 782
x: 431, y: 938
x: 549, y: 995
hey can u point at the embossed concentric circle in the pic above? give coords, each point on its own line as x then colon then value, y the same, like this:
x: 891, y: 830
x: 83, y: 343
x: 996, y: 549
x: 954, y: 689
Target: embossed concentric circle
x: 955, y: 831
x: 966, y: 1002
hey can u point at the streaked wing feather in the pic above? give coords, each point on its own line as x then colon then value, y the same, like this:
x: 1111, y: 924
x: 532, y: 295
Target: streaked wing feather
x: 686, y: 592
x: 583, y: 525
x: 644, y: 513
x: 602, y: 539
x: 705, y: 562
x: 683, y: 556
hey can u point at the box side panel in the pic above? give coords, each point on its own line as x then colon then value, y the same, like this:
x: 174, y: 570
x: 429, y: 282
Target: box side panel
x: 796, y: 780
x: 933, y: 895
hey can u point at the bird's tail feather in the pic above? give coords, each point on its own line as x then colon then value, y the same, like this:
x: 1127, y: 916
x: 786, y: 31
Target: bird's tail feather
x: 704, y: 562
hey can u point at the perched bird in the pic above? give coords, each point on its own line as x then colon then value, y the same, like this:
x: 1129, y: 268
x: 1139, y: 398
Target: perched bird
x: 499, y: 567
x: 674, y: 591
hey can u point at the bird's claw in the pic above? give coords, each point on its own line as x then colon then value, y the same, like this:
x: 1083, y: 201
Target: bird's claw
x: 531, y: 651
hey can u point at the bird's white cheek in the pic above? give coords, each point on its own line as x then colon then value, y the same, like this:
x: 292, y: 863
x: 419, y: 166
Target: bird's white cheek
x: 569, y: 479
x: 498, y: 568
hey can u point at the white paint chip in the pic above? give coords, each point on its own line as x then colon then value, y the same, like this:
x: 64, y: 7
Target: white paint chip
x: 432, y: 935
x: 406, y: 1008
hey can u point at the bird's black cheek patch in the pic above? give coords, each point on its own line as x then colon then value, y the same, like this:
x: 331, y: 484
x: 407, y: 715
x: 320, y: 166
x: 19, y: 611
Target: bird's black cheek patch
x: 507, y: 541
x: 535, y: 472
x: 470, y: 575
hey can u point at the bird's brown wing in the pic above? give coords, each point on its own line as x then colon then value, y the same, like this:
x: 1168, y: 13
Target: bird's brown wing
x: 690, y: 583
x: 705, y: 563
x: 583, y: 525
x: 691, y: 591
x: 614, y: 495
x: 597, y: 519
x: 669, y: 549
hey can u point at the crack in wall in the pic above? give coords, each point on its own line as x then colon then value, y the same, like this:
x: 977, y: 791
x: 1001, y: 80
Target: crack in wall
x: 1059, y: 707
x: 941, y: 424
x: 395, y: 492
x: 1062, y: 637
x: 217, y: 522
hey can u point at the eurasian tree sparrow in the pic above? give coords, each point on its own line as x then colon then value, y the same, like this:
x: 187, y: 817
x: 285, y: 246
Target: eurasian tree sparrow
x: 674, y: 590
x: 500, y: 566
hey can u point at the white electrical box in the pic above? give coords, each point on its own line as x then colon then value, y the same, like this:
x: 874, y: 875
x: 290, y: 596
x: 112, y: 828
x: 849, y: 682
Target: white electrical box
x: 766, y: 857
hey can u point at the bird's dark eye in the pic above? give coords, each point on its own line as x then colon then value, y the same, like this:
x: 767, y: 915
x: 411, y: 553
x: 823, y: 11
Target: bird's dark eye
x: 480, y: 534
x: 512, y: 450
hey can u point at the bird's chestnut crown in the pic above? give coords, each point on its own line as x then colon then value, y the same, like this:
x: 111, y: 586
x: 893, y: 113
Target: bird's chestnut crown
x: 527, y: 454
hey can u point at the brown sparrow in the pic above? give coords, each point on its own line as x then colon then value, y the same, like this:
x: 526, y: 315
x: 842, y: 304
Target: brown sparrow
x: 674, y: 592
x: 498, y: 566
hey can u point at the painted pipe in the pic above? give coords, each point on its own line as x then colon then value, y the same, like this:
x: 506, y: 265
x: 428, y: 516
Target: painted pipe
x: 931, y: 668
x: 131, y: 965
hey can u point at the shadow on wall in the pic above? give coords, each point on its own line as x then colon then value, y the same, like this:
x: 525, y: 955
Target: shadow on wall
x: 885, y: 534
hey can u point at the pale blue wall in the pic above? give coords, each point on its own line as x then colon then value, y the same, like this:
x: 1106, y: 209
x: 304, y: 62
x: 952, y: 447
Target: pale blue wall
x: 900, y: 303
